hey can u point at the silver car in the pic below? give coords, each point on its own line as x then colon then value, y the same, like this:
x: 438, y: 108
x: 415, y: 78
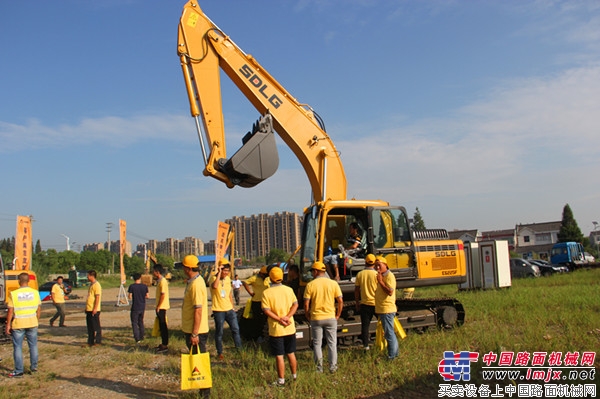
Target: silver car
x: 522, y: 268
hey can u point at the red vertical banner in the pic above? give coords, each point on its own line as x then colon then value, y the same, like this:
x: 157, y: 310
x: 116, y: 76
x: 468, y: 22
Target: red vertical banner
x: 122, y: 242
x: 221, y: 241
x: 23, y: 244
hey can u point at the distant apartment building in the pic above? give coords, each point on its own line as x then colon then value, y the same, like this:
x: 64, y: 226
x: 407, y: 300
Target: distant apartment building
x: 173, y: 247
x: 256, y: 235
x: 115, y: 247
x: 210, y: 247
x: 93, y: 247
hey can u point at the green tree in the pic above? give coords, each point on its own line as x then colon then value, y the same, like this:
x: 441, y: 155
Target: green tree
x: 38, y: 247
x: 100, y: 261
x: 133, y: 264
x: 8, y: 245
x: 276, y: 255
x: 418, y: 222
x: 569, y: 230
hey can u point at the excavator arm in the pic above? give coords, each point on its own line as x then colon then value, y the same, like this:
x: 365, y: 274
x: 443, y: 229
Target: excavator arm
x: 204, y: 50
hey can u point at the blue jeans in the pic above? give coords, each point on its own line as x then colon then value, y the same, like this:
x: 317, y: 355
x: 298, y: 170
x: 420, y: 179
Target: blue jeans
x: 17, y: 338
x: 387, y: 321
x: 329, y: 329
x: 231, y: 318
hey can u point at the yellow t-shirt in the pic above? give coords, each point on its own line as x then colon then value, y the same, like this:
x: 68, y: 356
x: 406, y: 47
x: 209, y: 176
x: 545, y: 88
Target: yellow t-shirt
x: 322, y: 292
x: 58, y: 294
x: 385, y: 303
x: 367, y: 281
x: 279, y: 299
x: 94, y: 290
x: 24, y: 302
x: 221, y: 296
x: 162, y: 287
x: 259, y: 285
x: 193, y: 298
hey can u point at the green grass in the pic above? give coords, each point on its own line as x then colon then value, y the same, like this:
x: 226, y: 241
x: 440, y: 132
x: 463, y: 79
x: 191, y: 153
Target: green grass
x: 558, y: 313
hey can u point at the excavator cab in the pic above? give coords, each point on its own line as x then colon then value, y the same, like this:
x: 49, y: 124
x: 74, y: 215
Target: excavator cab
x: 257, y: 159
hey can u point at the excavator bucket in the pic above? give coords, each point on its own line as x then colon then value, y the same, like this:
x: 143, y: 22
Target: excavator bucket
x: 257, y: 159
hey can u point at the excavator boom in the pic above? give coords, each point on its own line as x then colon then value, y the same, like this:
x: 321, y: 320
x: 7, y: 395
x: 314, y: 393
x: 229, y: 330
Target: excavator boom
x: 204, y: 50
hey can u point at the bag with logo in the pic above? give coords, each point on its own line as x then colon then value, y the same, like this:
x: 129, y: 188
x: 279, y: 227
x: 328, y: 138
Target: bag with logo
x: 195, y: 370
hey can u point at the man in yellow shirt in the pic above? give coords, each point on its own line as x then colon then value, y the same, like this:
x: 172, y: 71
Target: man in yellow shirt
x: 222, y: 306
x: 194, y: 311
x: 255, y: 286
x: 162, y: 305
x: 279, y: 303
x: 92, y: 310
x: 385, y: 304
x: 58, y: 299
x: 320, y: 298
x: 364, y: 296
x: 24, y: 309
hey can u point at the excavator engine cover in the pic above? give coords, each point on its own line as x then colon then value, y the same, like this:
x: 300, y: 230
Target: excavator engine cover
x: 257, y: 159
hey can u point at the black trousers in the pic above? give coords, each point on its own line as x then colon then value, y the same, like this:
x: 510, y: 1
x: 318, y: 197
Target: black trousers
x: 162, y: 324
x: 366, y: 314
x: 93, y: 328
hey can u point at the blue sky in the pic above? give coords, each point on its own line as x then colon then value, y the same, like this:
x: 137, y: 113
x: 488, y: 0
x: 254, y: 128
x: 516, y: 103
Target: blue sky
x: 484, y: 114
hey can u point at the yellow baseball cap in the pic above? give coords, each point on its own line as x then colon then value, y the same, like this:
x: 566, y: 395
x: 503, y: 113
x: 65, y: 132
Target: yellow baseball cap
x: 382, y: 259
x: 370, y: 259
x: 319, y: 266
x: 190, y: 261
x: 263, y: 270
x: 276, y: 274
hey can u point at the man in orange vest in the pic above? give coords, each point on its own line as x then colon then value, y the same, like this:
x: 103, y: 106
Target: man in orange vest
x: 24, y: 309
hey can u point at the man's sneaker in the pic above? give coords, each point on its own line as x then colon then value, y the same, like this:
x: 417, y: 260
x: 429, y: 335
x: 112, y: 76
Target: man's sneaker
x: 63, y: 325
x: 277, y: 384
x: 221, y: 357
x: 15, y: 375
x: 51, y: 323
x: 162, y: 348
x: 33, y: 371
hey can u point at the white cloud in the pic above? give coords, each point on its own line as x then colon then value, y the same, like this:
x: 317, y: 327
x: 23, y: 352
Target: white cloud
x: 110, y: 131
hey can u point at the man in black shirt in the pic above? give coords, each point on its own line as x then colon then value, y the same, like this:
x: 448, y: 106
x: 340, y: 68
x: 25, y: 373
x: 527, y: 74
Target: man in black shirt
x: 138, y: 293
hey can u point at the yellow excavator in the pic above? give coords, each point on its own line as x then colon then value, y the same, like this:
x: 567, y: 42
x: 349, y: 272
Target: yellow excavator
x: 417, y: 258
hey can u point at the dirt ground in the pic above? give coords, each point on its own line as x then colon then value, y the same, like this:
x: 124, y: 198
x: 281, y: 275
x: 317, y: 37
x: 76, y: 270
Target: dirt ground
x: 68, y: 367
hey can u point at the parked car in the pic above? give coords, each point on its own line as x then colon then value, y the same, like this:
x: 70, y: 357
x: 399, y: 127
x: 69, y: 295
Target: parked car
x: 522, y: 268
x: 546, y: 268
x: 589, y: 258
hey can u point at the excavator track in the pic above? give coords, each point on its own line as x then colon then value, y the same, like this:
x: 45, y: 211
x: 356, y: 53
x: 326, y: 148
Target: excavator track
x: 416, y: 314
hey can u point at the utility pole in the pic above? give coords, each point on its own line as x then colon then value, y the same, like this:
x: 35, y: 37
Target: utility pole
x: 597, y: 239
x: 109, y: 226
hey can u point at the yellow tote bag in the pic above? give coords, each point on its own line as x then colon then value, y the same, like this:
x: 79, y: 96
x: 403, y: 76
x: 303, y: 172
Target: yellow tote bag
x: 195, y: 370
x: 380, y: 342
x: 156, y: 328
x: 248, y: 309
x: 400, y: 333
